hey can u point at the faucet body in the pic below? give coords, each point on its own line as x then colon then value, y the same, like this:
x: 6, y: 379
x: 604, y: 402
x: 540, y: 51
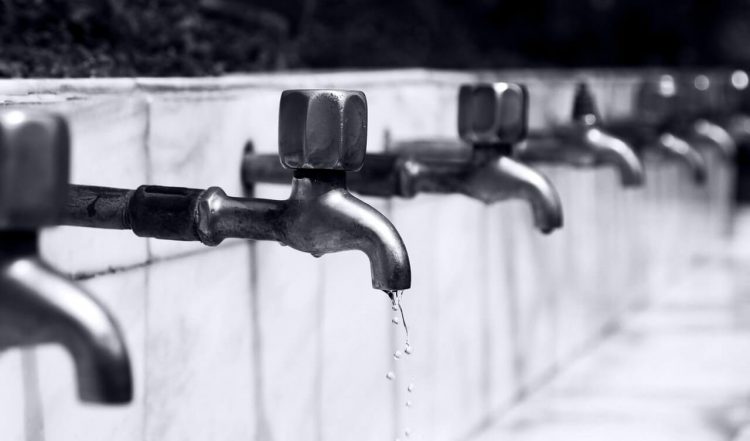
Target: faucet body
x: 320, y: 217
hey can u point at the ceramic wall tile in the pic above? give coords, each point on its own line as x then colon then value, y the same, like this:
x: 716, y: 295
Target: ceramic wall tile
x: 443, y: 235
x: 288, y: 321
x: 200, y: 348
x: 19, y: 400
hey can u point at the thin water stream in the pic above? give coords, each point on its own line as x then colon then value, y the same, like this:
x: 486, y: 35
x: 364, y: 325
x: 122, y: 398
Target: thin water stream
x: 395, y: 297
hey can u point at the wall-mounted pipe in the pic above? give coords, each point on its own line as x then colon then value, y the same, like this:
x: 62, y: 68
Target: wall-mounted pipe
x: 322, y: 135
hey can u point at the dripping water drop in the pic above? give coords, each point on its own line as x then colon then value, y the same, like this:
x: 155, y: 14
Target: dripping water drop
x: 397, y: 355
x: 390, y: 375
x: 411, y: 387
x: 395, y: 321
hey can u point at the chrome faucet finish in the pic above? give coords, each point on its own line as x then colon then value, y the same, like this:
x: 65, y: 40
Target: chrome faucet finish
x: 491, y: 118
x: 583, y: 143
x: 38, y: 304
x: 322, y: 136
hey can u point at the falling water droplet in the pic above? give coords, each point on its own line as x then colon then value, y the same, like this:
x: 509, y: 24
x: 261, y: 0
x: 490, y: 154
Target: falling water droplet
x: 395, y: 321
x: 394, y: 308
x: 316, y: 255
x: 407, y: 432
x: 408, y: 349
x: 390, y: 375
x: 408, y: 404
x: 397, y: 355
x: 411, y: 387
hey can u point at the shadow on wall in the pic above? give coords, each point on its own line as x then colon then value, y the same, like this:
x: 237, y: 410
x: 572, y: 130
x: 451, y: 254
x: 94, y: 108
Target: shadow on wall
x: 64, y: 38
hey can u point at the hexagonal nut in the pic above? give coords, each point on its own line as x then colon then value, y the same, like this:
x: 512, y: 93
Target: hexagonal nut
x: 34, y: 168
x: 323, y: 129
x: 493, y: 113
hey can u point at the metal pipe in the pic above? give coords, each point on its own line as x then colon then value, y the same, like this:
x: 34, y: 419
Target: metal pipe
x: 320, y: 217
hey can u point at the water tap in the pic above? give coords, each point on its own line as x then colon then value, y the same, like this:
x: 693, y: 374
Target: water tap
x: 491, y: 118
x: 38, y: 305
x: 650, y: 129
x: 322, y: 136
x: 703, y: 113
x: 583, y: 143
x: 736, y: 115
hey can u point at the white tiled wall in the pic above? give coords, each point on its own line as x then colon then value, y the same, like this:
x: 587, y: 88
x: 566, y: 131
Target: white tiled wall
x: 257, y: 341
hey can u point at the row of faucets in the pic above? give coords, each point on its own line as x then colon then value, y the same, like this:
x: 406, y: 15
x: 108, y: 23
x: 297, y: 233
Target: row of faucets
x: 322, y: 152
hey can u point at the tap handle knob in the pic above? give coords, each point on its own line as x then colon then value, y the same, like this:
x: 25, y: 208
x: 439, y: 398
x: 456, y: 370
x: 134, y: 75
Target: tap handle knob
x: 705, y: 95
x: 323, y: 129
x: 656, y: 100
x: 34, y: 168
x: 493, y: 113
x: 584, y: 105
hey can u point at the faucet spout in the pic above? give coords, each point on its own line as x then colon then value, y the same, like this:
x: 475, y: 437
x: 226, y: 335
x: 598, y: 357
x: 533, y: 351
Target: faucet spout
x: 38, y: 305
x: 681, y: 149
x: 505, y: 178
x: 323, y: 217
x: 717, y: 136
x: 609, y: 149
x: 320, y: 217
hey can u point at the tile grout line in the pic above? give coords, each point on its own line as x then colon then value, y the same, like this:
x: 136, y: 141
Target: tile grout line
x: 484, y: 304
x: 34, y: 426
x: 146, y: 145
x: 80, y: 276
x: 319, y: 365
x: 262, y: 430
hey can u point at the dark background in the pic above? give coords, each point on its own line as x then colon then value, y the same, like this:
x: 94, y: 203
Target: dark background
x: 61, y: 38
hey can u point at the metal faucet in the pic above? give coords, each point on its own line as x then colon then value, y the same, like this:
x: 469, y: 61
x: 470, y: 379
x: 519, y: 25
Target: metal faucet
x: 322, y: 135
x: 38, y: 304
x: 491, y: 117
x: 583, y: 143
x: 736, y: 116
x: 650, y: 130
x: 699, y: 102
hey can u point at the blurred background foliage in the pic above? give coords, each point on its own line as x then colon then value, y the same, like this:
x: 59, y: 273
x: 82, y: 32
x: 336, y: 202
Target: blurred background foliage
x: 62, y: 38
